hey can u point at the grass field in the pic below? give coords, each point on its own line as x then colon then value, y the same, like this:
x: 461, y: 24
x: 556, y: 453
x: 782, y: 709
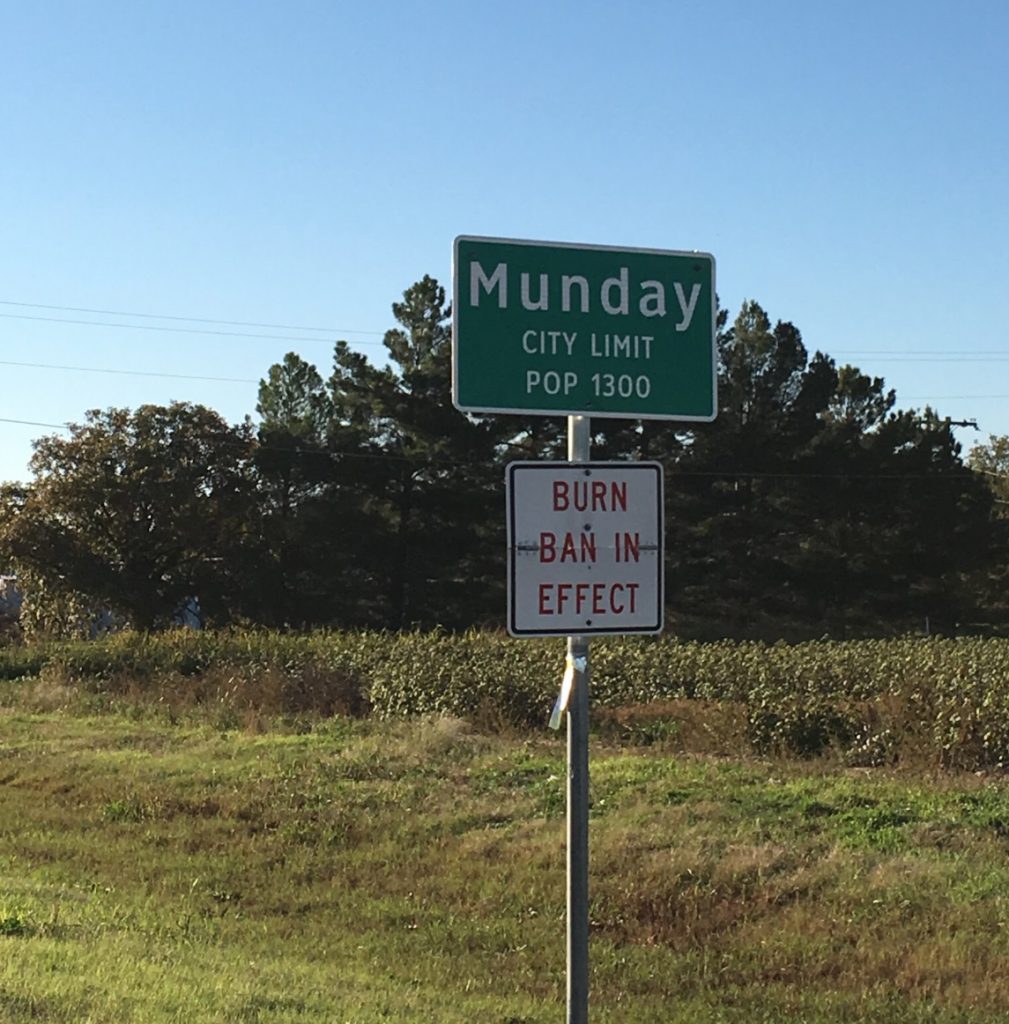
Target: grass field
x: 157, y: 866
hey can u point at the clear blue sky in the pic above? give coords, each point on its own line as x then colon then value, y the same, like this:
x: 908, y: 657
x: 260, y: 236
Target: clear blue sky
x: 302, y: 163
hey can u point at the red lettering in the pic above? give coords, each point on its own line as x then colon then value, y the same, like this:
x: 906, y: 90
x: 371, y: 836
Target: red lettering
x: 584, y: 598
x: 590, y: 496
x: 631, y: 600
x: 580, y: 547
x: 588, y: 547
x: 627, y: 547
x: 618, y: 496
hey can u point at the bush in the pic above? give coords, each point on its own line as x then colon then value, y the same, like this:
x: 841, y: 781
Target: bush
x: 944, y: 701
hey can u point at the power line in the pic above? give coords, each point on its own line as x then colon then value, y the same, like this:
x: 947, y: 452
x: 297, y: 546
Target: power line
x: 129, y: 373
x: 883, y: 355
x: 444, y: 463
x: 920, y: 352
x: 250, y: 380
x: 34, y: 423
x: 186, y: 319
x: 179, y: 330
x: 969, y: 357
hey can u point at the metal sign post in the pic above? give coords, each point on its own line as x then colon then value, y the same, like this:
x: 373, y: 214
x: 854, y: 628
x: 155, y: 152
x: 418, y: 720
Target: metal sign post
x: 578, y: 791
x: 584, y: 558
x: 552, y: 328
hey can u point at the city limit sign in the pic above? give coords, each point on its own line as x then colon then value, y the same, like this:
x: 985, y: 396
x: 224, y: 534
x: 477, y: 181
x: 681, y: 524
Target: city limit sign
x: 585, y: 551
x: 574, y: 330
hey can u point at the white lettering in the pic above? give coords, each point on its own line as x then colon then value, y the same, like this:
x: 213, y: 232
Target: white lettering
x: 544, y: 298
x: 621, y: 307
x: 653, y: 303
x: 686, y: 308
x: 615, y: 346
x: 606, y: 385
x: 551, y: 382
x: 567, y: 282
x: 575, y: 291
x: 548, y: 343
x: 499, y: 280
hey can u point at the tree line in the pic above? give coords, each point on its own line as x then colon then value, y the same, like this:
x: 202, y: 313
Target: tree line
x: 811, y: 506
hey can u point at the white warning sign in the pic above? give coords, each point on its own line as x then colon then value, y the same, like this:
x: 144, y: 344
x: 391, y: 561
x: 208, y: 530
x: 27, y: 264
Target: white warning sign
x: 585, y: 550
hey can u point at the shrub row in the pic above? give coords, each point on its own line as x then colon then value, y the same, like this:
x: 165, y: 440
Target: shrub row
x: 873, y: 701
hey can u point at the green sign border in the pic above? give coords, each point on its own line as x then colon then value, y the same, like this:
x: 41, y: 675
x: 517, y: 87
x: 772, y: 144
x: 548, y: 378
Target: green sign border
x: 705, y: 389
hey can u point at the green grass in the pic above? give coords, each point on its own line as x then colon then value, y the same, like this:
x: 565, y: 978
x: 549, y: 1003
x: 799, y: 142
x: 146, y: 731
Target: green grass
x: 351, y: 870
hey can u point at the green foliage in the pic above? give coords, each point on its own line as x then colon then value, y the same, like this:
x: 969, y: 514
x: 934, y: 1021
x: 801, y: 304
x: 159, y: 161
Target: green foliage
x: 810, y: 507
x: 13, y: 922
x: 942, y: 702
x: 132, y: 514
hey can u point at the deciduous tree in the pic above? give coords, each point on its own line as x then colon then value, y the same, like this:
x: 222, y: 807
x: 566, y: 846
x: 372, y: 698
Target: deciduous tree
x: 138, y: 511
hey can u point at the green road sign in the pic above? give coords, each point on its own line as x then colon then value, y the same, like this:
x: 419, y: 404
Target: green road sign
x: 576, y: 330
